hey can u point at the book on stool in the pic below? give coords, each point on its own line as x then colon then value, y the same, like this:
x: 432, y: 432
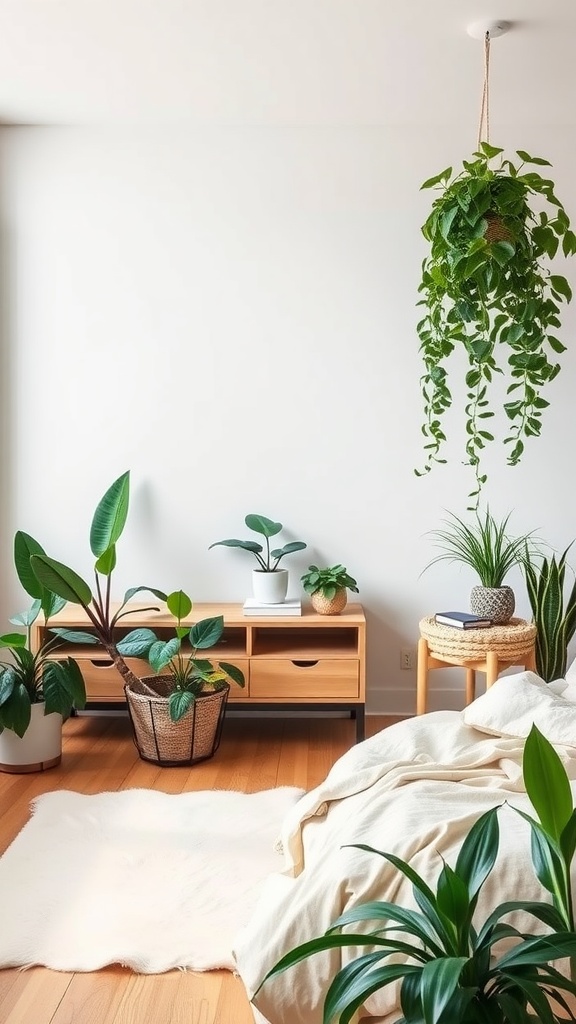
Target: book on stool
x: 462, y: 620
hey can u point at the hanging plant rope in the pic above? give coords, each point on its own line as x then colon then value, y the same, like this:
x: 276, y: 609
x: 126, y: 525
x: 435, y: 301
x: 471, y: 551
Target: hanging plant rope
x: 485, y: 104
x: 486, y: 286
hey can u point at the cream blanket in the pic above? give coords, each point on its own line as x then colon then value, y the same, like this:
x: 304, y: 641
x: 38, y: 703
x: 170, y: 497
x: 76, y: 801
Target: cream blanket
x: 414, y: 789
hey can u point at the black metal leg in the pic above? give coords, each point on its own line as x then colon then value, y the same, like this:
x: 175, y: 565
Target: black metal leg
x: 358, y: 714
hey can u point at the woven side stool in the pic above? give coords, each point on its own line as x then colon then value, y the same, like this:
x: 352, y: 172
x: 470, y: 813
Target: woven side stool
x: 487, y: 650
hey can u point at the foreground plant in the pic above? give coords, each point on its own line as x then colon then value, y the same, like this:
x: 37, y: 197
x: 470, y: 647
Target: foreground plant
x: 189, y: 675
x: 487, y: 288
x: 447, y: 967
x: 107, y: 526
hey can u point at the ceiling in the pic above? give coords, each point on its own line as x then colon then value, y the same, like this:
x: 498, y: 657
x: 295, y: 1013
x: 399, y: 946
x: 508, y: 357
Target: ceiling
x: 282, y: 62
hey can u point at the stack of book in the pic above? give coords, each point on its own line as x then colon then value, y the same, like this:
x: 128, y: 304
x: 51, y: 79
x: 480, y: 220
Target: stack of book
x: 462, y: 620
x: 288, y: 607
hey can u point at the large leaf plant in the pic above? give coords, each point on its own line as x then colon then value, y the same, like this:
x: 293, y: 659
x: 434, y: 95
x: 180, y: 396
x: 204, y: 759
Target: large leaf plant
x: 35, y: 676
x: 487, y: 287
x: 448, y: 964
x: 106, y: 529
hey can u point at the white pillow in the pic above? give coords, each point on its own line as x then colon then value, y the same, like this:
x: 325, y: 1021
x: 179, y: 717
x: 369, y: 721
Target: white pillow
x: 558, y: 686
x: 571, y: 672
x: 514, y: 703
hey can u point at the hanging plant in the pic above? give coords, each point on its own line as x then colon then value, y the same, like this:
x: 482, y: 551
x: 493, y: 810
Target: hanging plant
x: 486, y: 286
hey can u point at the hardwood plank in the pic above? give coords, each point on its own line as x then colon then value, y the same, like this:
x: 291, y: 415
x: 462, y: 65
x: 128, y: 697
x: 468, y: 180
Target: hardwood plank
x: 99, y: 755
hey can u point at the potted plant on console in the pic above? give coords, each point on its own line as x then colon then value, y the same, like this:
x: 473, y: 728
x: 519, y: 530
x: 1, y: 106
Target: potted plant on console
x: 269, y: 582
x: 177, y: 714
x: 37, y: 690
x: 328, y: 588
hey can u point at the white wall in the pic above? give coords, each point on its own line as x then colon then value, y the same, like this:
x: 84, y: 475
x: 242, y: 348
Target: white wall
x: 230, y: 313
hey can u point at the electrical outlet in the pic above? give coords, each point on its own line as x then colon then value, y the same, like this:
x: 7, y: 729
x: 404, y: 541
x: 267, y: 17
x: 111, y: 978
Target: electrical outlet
x: 406, y: 657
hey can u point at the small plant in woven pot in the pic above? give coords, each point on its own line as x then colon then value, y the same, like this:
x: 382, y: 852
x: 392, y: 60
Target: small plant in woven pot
x: 328, y: 588
x: 485, y: 547
x: 181, y: 681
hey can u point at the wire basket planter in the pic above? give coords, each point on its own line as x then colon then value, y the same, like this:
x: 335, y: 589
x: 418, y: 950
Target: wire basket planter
x: 196, y: 737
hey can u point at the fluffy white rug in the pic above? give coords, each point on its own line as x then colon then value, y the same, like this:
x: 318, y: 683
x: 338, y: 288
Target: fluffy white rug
x: 146, y: 879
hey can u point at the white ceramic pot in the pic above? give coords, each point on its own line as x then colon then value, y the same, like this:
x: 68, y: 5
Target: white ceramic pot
x: 39, y: 748
x: 270, y: 587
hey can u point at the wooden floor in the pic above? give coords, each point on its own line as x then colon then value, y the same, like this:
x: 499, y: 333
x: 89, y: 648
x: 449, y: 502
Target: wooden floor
x: 98, y: 756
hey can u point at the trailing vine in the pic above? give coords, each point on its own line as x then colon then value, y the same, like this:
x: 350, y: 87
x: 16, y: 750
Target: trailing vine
x: 486, y: 285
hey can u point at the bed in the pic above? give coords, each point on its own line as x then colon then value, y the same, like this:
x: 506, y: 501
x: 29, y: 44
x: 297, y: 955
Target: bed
x: 414, y: 789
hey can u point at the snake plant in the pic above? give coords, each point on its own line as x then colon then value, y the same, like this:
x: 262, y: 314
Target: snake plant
x: 554, y: 616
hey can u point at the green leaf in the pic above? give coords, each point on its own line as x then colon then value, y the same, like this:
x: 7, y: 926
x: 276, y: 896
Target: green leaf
x: 560, y: 285
x: 7, y: 682
x: 20, y: 710
x: 478, y: 852
x: 547, y: 784
x: 490, y: 151
x: 27, y: 618
x: 452, y: 896
x: 24, y: 547
x: 13, y: 640
x: 440, y: 980
x: 234, y: 672
x: 443, y: 176
x: 137, y: 590
x: 107, y: 561
x: 161, y: 652
x: 179, y: 604
x: 446, y: 221
x: 74, y: 636
x: 207, y: 632
x: 61, y: 682
x: 179, y: 702
x: 136, y: 644
x: 110, y: 516
x: 231, y: 542
x: 61, y: 580
x: 51, y: 603
x: 260, y: 524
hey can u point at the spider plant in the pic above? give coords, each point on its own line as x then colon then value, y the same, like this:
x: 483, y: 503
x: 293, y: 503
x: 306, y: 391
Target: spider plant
x: 555, y: 618
x: 484, y: 546
x: 448, y: 969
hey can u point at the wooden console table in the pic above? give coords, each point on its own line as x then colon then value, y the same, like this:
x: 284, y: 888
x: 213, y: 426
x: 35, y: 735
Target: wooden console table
x: 487, y: 650
x: 305, y: 662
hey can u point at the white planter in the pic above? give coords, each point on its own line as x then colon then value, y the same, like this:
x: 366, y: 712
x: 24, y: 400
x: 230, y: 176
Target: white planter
x: 270, y: 587
x: 39, y: 748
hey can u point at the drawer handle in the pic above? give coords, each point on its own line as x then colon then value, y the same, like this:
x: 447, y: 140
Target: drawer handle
x: 101, y: 663
x: 305, y: 664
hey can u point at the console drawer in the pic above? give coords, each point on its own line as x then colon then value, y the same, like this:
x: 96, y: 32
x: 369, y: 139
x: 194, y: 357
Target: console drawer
x: 327, y: 679
x: 104, y: 682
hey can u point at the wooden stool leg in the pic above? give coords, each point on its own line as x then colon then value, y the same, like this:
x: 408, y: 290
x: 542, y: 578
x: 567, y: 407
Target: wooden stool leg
x: 530, y: 660
x: 491, y: 668
x: 470, y: 685
x: 422, y: 676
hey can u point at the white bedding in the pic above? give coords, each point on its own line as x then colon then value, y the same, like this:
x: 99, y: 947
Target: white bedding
x: 414, y: 789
